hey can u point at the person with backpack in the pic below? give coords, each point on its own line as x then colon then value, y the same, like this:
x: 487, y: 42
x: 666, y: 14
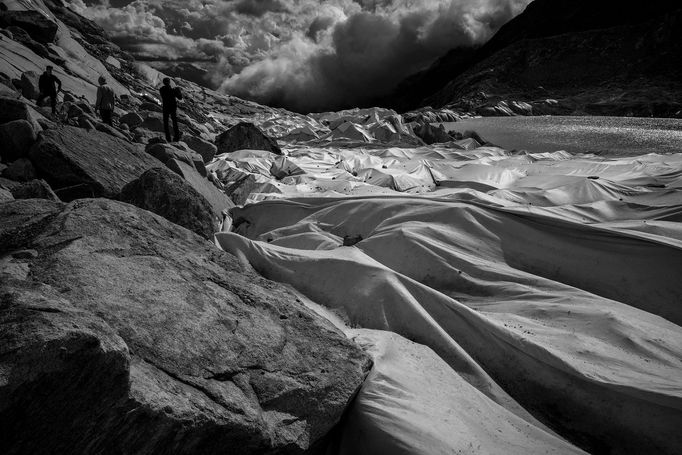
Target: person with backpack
x: 169, y: 97
x: 49, y: 85
x: 106, y: 99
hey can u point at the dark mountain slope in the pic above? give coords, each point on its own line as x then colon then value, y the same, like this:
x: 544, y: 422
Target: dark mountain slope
x: 628, y: 70
x: 545, y: 46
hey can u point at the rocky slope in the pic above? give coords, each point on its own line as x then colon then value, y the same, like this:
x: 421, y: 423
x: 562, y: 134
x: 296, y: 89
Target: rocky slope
x: 597, y: 58
x: 205, y: 357
x: 123, y: 330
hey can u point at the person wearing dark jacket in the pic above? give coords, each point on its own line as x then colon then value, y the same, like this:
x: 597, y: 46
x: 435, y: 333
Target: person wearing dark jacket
x: 169, y: 97
x: 49, y: 86
x: 106, y: 99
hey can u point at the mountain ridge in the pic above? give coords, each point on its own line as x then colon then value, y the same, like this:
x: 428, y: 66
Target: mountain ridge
x: 459, y: 78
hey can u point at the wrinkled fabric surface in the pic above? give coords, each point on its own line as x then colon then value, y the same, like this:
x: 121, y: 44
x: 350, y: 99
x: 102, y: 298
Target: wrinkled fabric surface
x: 548, y: 282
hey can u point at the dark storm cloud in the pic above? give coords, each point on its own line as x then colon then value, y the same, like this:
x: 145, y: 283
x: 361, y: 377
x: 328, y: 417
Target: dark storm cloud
x: 364, y: 55
x: 319, y: 24
x: 302, y: 54
x: 259, y: 7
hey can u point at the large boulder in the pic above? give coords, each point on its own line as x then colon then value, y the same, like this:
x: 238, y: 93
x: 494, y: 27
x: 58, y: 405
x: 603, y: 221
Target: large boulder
x: 121, y: 332
x: 204, y: 148
x: 79, y: 163
x: 21, y: 170
x: 132, y: 119
x: 153, y: 121
x: 165, y: 193
x: 7, y: 88
x: 110, y: 130
x: 29, y: 85
x: 34, y: 189
x: 245, y: 136
x: 218, y: 200
x: 111, y: 60
x: 87, y: 122
x: 16, y: 138
x: 14, y: 109
x: 165, y: 152
x: 35, y: 23
x: 21, y: 36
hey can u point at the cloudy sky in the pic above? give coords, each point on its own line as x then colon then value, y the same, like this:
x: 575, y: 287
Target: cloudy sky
x: 305, y: 55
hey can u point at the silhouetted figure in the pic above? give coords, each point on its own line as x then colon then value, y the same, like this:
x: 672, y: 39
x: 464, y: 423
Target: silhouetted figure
x: 49, y: 86
x: 169, y: 97
x: 106, y: 99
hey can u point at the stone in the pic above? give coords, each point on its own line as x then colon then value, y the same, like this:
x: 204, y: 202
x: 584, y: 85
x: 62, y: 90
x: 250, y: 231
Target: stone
x: 16, y: 138
x: 19, y: 222
x: 86, y: 107
x: 34, y: 189
x: 143, y: 136
x: 35, y: 23
x: 151, y: 107
x: 165, y: 193
x: 21, y: 36
x: 110, y: 130
x: 245, y: 136
x: 7, y: 183
x: 74, y: 111
x: 219, y: 201
x: 45, y: 124
x: 21, y: 170
x: 153, y: 122
x: 69, y: 98
x: 7, y: 88
x: 135, y: 335
x: 5, y: 195
x: 78, y: 163
x: 15, y: 109
x: 132, y: 119
x: 204, y: 148
x: 29, y: 85
x: 165, y: 152
x: 113, y: 62
x: 87, y: 122
x: 157, y: 140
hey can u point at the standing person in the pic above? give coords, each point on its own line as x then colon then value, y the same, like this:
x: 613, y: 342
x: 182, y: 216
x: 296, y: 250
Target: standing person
x: 169, y: 95
x: 49, y: 86
x: 105, y: 101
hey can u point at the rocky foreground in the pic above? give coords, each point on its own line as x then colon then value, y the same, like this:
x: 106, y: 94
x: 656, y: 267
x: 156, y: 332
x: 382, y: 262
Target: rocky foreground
x: 124, y: 333
x: 441, y: 294
x: 124, y: 329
